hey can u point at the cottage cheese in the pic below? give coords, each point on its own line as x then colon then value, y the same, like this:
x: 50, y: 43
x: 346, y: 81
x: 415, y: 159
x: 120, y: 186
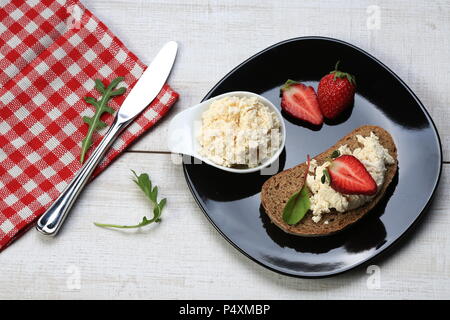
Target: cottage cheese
x: 239, y: 131
x: 324, y: 198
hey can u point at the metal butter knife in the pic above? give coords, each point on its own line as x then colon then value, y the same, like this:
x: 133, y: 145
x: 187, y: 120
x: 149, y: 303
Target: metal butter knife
x: 142, y: 94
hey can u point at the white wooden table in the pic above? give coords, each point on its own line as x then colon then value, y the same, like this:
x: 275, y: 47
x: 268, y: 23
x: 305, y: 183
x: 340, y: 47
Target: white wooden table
x: 184, y: 256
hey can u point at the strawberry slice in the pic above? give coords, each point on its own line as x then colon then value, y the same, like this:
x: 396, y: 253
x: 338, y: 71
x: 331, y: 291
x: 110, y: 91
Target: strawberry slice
x: 349, y: 176
x: 300, y: 101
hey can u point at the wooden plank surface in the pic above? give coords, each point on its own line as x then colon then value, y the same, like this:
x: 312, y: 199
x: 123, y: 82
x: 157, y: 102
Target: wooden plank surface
x: 184, y: 256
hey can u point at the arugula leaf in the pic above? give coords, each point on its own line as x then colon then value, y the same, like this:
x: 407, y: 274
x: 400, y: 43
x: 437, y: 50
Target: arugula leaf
x: 101, y: 106
x: 326, y: 176
x: 296, y: 207
x: 144, y: 183
x: 335, y: 154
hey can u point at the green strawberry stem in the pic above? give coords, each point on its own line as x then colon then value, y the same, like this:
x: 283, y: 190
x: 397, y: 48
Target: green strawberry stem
x: 341, y: 74
x: 101, y: 106
x: 144, y: 222
x: 337, y: 65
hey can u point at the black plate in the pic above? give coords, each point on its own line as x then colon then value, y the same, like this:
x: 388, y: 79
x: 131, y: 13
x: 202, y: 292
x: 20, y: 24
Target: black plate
x: 232, y: 201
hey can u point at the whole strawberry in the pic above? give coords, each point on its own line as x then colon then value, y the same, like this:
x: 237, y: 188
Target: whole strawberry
x: 336, y: 92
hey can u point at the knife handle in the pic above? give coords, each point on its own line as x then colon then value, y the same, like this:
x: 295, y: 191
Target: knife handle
x: 50, y: 222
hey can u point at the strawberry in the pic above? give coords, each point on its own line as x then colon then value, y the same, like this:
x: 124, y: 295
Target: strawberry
x: 336, y: 92
x: 300, y: 101
x: 349, y: 176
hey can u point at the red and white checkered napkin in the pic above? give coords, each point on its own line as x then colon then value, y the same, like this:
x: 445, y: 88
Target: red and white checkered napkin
x: 46, y: 70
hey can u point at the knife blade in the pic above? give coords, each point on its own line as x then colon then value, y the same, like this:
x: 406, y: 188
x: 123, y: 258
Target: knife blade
x: 150, y: 83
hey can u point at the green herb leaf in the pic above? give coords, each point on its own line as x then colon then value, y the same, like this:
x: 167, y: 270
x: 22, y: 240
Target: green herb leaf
x: 101, y: 106
x: 296, y: 207
x: 335, y: 154
x: 144, y: 183
x: 326, y: 176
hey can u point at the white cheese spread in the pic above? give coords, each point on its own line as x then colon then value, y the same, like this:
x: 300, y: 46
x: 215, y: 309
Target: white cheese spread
x: 324, y: 198
x: 239, y: 131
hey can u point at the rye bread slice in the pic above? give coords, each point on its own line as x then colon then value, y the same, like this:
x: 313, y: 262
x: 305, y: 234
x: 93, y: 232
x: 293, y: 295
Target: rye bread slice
x: 277, y: 190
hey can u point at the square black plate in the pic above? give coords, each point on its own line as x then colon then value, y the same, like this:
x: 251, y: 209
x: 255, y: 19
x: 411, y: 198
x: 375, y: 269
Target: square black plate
x: 232, y: 201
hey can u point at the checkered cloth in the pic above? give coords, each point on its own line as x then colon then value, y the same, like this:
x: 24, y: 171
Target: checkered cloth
x: 51, y: 51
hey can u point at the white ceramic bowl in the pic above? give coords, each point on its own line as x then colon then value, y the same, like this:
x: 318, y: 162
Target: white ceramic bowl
x: 184, y: 128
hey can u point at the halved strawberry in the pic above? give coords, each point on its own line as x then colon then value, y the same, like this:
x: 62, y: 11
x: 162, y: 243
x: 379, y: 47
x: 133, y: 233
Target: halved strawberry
x: 349, y: 176
x: 300, y: 101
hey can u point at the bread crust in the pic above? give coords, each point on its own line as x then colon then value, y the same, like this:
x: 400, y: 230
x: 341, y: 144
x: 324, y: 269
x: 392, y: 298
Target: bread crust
x: 277, y: 190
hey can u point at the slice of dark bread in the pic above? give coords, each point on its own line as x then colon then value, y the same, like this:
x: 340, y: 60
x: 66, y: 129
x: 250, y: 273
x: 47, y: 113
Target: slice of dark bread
x: 277, y: 190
